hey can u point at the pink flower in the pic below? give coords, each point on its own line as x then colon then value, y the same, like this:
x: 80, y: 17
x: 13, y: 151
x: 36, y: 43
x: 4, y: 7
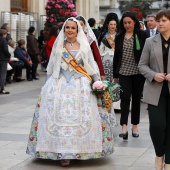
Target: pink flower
x: 58, y: 6
x: 60, y: 23
x: 73, y: 14
x: 52, y: 20
x: 99, y: 85
x: 71, y: 6
x: 48, y: 7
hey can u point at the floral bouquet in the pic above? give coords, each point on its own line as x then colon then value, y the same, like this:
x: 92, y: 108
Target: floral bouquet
x: 107, y: 91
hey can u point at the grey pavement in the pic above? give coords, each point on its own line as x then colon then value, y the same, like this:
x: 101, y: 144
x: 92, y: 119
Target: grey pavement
x: 16, y: 112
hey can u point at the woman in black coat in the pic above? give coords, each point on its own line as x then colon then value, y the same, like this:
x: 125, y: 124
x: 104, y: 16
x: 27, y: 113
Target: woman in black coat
x: 128, y: 47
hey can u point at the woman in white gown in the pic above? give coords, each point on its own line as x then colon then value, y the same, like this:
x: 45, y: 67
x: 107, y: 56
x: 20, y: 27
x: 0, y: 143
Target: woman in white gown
x: 67, y: 123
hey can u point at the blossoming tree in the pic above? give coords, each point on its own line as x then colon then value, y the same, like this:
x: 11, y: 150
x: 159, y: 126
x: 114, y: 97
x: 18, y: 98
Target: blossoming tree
x: 57, y: 11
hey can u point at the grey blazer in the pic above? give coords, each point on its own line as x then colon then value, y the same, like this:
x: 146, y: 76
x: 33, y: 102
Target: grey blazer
x: 151, y: 62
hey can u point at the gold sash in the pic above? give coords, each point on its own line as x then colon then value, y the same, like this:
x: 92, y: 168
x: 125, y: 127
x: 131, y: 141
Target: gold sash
x: 110, y: 41
x: 71, y: 61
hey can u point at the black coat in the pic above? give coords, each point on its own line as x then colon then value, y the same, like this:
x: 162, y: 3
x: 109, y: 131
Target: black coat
x: 142, y: 35
x: 4, y: 52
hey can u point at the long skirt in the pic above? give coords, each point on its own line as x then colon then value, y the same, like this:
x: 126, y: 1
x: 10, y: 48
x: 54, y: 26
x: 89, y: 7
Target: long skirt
x: 69, y: 123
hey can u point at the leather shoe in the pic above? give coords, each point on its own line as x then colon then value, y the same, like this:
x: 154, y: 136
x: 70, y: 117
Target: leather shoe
x: 124, y: 135
x: 135, y: 135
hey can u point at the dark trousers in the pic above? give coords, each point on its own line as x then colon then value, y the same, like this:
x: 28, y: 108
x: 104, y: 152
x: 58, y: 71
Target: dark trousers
x: 35, y: 61
x: 132, y: 87
x: 30, y: 71
x: 16, y: 70
x: 159, y: 117
x: 3, y: 72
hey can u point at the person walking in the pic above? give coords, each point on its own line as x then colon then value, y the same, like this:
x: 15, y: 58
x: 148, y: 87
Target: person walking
x: 67, y: 124
x: 93, y: 43
x: 107, y: 47
x: 4, y: 59
x: 128, y: 48
x: 155, y: 66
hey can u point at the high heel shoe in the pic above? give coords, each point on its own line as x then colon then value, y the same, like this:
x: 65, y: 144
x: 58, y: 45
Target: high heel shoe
x: 135, y: 135
x: 159, y: 163
x: 124, y: 135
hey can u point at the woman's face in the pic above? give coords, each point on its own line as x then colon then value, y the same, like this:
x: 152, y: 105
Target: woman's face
x: 163, y: 24
x: 34, y: 32
x: 128, y: 24
x: 23, y: 46
x: 82, y: 24
x: 112, y: 26
x: 70, y: 29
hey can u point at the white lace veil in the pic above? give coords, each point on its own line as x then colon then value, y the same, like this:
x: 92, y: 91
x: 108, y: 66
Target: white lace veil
x: 85, y: 52
x: 89, y: 32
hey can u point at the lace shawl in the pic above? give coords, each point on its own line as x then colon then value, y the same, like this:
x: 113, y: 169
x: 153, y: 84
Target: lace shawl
x: 55, y: 61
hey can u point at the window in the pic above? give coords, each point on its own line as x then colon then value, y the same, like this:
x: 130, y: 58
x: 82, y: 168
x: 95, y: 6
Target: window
x: 19, y: 5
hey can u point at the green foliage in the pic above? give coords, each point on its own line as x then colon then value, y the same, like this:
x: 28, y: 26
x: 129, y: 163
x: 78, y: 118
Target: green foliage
x: 143, y: 6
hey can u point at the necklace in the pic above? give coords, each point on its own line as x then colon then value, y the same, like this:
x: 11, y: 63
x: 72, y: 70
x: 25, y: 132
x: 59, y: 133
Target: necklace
x: 71, y: 43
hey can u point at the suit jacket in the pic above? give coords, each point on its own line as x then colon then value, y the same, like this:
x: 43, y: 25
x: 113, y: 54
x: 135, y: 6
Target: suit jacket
x: 148, y: 32
x: 142, y: 35
x: 151, y: 62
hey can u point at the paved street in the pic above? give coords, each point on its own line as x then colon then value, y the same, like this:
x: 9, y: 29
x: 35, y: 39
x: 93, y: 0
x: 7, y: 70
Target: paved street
x: 16, y: 112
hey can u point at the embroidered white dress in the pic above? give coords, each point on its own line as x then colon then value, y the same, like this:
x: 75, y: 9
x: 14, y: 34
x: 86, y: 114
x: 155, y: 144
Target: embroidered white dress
x: 67, y: 123
x: 107, y: 59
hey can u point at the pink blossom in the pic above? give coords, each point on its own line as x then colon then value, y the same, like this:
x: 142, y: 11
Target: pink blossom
x: 99, y: 85
x: 71, y: 6
x: 58, y: 6
x: 65, y: 1
x: 48, y: 7
x: 74, y: 14
x: 52, y: 20
x: 60, y: 23
x: 52, y: 15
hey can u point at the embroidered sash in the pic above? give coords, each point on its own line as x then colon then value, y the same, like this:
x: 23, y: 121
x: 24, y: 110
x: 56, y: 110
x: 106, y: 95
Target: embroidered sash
x: 110, y: 41
x: 71, y: 61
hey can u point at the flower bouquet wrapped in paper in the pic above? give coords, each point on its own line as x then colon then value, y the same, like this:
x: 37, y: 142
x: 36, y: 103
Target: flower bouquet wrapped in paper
x: 108, y: 92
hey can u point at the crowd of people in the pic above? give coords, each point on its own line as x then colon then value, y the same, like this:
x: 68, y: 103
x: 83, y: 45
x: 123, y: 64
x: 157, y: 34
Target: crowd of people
x: 69, y: 122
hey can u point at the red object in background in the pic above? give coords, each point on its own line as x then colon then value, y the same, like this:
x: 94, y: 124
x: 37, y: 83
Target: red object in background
x: 139, y: 13
x: 49, y: 45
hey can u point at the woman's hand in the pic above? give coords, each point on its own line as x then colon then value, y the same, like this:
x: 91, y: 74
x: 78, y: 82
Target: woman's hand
x: 103, y: 77
x: 116, y: 80
x: 167, y: 77
x: 160, y: 77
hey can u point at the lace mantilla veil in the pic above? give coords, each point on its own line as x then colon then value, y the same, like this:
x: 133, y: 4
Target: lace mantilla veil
x: 55, y: 61
x: 89, y: 32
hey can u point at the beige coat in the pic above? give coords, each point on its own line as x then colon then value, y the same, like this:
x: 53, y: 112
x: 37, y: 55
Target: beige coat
x: 151, y: 62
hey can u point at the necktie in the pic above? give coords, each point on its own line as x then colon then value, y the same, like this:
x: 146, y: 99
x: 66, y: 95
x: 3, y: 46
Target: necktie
x: 152, y: 33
